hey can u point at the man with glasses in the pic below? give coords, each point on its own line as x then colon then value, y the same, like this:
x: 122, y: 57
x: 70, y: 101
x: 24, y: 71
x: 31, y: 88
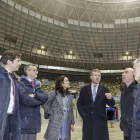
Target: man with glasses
x: 31, y: 97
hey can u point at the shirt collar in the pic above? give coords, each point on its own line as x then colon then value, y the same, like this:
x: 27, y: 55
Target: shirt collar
x: 29, y: 79
x: 8, y: 70
x: 94, y: 84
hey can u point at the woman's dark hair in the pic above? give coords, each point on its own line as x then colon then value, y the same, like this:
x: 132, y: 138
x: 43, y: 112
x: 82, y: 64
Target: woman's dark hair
x: 9, y: 55
x: 59, y: 87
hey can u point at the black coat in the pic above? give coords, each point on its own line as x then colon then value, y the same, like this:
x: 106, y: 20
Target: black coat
x: 127, y: 101
x: 30, y: 107
x: 135, y: 135
x: 5, y: 85
x: 94, y: 113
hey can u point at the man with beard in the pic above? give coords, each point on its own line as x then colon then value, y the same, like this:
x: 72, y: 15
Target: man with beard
x: 136, y: 108
x: 127, y: 102
x: 91, y: 105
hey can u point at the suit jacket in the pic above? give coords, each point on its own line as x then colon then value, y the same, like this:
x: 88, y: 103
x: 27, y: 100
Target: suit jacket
x: 94, y: 113
x: 54, y: 106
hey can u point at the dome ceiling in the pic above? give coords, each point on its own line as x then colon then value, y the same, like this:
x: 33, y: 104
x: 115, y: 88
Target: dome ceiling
x: 101, y: 11
x: 102, y: 34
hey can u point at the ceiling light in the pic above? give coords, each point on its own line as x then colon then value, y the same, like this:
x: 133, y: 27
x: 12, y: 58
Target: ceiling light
x: 71, y: 52
x: 127, y: 53
x: 42, y: 47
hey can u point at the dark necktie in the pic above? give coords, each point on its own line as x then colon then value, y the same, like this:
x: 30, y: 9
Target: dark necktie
x: 14, y: 92
x: 32, y: 83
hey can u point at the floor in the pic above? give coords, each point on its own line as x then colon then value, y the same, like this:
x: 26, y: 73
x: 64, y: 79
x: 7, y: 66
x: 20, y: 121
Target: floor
x: 114, y: 133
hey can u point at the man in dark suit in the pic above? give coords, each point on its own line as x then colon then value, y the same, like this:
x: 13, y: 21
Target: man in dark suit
x: 91, y: 105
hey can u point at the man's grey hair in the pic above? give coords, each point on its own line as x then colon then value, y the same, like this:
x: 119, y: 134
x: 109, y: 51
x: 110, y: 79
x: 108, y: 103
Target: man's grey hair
x: 27, y: 67
x: 137, y: 61
x: 94, y: 70
x: 130, y: 69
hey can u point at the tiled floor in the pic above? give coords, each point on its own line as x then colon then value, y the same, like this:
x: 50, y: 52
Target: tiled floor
x: 114, y: 133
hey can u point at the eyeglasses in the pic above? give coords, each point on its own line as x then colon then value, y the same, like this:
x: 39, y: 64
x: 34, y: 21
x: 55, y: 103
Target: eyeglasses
x: 35, y: 70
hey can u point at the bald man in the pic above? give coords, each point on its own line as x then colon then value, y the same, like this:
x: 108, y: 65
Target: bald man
x: 127, y: 101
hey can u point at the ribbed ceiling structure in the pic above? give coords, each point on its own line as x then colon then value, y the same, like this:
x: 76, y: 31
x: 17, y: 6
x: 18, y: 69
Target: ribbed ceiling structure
x: 98, y: 32
x: 100, y: 11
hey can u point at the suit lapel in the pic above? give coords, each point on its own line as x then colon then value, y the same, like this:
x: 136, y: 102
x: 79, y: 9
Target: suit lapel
x: 98, y: 92
x: 89, y: 91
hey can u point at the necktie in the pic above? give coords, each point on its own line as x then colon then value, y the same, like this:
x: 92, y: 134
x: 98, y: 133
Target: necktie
x: 32, y: 83
x: 94, y: 92
x: 14, y: 92
x: 11, y: 75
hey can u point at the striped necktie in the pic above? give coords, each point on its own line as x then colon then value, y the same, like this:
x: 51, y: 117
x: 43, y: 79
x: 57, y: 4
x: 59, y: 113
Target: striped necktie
x: 94, y: 92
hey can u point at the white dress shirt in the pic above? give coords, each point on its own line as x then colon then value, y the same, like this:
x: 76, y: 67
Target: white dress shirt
x: 11, y: 103
x: 29, y: 79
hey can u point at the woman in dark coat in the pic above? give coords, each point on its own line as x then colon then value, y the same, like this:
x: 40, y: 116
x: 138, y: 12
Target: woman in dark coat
x: 59, y: 106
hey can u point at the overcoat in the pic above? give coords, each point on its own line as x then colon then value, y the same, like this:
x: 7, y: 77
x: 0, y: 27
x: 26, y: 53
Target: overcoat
x: 29, y: 106
x: 94, y: 113
x: 127, y: 102
x: 54, y: 106
x: 5, y: 88
x: 136, y: 115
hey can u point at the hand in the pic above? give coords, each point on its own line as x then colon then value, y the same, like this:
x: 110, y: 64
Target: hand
x: 108, y: 95
x: 31, y: 95
x: 72, y: 127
